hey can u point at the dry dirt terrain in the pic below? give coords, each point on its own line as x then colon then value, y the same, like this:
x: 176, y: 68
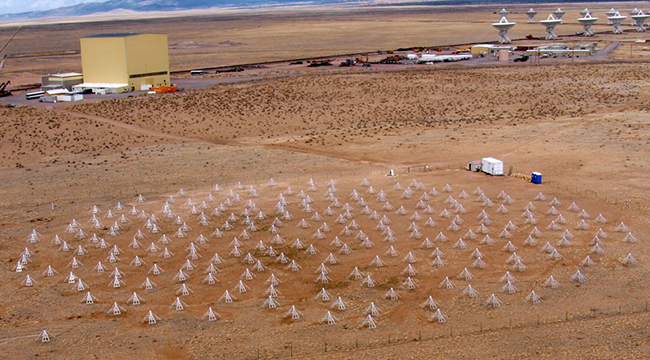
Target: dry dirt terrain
x: 584, y: 125
x: 218, y: 38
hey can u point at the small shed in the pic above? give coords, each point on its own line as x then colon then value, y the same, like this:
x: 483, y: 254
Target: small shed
x: 56, y: 92
x: 474, y: 165
x: 504, y: 55
x: 492, y: 166
x: 61, y: 81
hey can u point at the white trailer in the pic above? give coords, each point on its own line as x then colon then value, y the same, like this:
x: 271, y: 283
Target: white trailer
x: 432, y: 58
x: 492, y: 166
x: 67, y: 98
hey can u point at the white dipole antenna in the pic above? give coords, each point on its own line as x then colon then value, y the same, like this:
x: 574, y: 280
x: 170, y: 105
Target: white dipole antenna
x: 211, y: 315
x: 151, y: 318
x: 45, y: 336
x: 293, y: 313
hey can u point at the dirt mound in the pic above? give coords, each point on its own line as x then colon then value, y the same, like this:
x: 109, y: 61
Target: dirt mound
x: 230, y: 43
x: 191, y: 44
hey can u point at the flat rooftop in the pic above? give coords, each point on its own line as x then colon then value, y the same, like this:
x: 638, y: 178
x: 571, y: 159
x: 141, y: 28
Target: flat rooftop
x: 118, y: 35
x: 68, y: 74
x: 113, y: 35
x: 100, y: 85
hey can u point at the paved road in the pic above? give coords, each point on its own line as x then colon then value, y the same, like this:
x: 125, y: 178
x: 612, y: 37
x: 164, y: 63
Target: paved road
x: 603, y: 54
x: 188, y: 83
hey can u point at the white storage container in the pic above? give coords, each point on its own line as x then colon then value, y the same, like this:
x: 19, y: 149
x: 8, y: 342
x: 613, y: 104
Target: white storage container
x: 492, y: 166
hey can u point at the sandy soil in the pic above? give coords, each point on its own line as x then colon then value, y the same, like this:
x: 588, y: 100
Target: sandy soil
x: 49, y: 137
x: 246, y: 321
x: 384, y: 117
x: 267, y: 35
x: 584, y: 126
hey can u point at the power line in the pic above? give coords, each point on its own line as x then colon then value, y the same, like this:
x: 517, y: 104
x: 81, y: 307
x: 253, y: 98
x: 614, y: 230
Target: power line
x: 11, y: 38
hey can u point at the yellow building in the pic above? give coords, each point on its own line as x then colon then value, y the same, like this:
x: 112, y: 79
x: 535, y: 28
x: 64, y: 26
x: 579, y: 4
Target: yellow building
x: 481, y: 49
x: 124, y: 62
x: 488, y: 49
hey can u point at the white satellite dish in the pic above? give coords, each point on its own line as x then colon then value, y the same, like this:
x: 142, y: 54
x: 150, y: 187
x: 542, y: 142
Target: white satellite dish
x: 616, y: 20
x: 531, y: 15
x: 559, y: 13
x: 632, y: 13
x: 611, y: 12
x: 640, y: 19
x: 503, y: 26
x: 551, y: 22
x: 587, y: 21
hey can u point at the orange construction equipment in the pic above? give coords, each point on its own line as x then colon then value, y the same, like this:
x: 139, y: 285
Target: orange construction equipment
x: 164, y: 89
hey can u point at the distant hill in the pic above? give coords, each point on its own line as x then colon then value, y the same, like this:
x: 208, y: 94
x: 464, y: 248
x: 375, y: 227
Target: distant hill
x: 155, y: 5
x: 174, y: 5
x: 497, y: 2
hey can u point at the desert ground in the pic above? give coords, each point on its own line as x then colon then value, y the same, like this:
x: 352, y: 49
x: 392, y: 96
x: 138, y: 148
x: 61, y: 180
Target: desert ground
x: 331, y: 136
x: 220, y: 38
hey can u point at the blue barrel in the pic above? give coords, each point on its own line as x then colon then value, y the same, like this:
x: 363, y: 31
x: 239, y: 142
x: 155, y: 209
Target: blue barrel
x: 536, y: 178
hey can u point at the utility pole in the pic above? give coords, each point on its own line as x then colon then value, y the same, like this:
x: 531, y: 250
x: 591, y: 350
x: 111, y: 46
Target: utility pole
x: 631, y: 51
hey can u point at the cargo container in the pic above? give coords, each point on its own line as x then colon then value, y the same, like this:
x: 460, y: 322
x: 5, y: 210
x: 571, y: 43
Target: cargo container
x: 66, y: 98
x: 492, y: 166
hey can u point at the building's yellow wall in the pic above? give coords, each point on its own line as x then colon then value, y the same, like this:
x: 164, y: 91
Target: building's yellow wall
x: 147, y: 54
x: 67, y: 78
x: 104, y: 60
x: 150, y: 80
x: 135, y: 60
x: 477, y: 50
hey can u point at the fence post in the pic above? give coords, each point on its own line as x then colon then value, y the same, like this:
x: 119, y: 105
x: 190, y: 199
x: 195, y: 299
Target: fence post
x: 325, y: 346
x: 389, y: 338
